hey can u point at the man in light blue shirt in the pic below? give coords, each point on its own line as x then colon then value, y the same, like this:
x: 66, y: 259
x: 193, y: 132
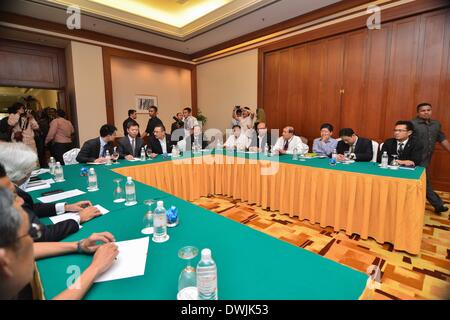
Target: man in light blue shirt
x: 325, y: 144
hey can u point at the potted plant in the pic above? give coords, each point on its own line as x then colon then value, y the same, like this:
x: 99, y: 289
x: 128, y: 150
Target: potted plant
x: 201, y: 118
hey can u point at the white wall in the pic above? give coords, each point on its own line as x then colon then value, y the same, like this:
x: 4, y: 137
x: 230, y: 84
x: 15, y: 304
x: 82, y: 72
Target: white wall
x: 86, y: 87
x: 224, y: 83
x: 171, y: 85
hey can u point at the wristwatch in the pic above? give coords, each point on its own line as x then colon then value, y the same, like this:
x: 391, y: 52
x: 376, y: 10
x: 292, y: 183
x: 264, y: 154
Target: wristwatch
x: 79, y: 249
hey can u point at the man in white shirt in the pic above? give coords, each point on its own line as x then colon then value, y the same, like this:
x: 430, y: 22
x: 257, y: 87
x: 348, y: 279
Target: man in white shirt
x: 237, y: 140
x: 288, y: 142
x: 246, y: 122
x: 189, y: 121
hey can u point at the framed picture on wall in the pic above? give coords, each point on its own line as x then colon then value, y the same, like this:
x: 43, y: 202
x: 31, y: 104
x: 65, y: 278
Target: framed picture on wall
x: 143, y: 102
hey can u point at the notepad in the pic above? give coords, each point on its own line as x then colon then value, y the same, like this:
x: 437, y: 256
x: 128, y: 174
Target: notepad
x: 64, y: 217
x: 61, y: 196
x: 38, y: 187
x: 130, y: 261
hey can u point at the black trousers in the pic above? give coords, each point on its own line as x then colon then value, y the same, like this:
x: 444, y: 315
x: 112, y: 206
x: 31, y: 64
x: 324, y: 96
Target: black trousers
x: 58, y: 149
x: 432, y: 196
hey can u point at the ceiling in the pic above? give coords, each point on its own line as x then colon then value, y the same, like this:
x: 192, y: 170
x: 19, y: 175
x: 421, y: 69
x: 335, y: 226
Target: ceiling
x: 186, y: 26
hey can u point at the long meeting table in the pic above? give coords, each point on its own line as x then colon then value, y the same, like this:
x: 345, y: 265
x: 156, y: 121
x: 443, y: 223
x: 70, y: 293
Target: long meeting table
x: 251, y: 264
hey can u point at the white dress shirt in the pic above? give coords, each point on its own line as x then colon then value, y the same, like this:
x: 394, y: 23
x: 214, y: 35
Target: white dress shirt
x: 294, y: 142
x: 242, y: 141
x: 163, y: 143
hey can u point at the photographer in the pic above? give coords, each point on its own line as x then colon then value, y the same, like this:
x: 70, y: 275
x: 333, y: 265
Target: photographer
x: 178, y: 122
x: 23, y: 124
x: 236, y: 116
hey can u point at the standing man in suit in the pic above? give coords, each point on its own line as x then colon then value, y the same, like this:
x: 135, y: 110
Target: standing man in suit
x: 130, y: 145
x: 160, y: 143
x: 132, y: 116
x: 153, y: 121
x: 260, y: 138
x: 428, y: 132
x: 94, y: 150
x: 404, y: 144
x: 360, y: 148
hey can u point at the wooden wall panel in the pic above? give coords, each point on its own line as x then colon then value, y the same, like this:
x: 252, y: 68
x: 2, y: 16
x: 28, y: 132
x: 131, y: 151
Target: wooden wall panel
x: 29, y: 65
x: 384, y: 74
x: 355, y: 66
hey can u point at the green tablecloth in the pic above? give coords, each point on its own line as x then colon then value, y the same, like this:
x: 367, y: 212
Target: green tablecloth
x: 251, y: 264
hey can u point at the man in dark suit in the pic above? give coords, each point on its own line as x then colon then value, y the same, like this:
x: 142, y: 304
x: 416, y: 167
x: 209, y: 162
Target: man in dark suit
x: 160, y: 143
x: 360, y: 148
x: 153, y: 121
x: 94, y: 150
x: 404, y: 144
x: 260, y: 138
x: 52, y: 232
x: 196, y: 137
x: 132, y: 115
x: 130, y: 145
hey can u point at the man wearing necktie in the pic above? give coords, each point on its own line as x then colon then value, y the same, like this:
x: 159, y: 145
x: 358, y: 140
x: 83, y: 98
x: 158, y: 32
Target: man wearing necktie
x: 288, y: 142
x: 404, y: 144
x: 130, y: 146
x: 360, y: 148
x: 94, y: 150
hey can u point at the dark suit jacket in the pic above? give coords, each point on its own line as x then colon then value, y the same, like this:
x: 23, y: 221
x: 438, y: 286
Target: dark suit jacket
x: 190, y: 142
x: 50, y: 233
x: 125, y: 147
x: 91, y: 149
x: 154, y: 144
x: 255, y: 140
x: 363, y: 149
x: 413, y: 150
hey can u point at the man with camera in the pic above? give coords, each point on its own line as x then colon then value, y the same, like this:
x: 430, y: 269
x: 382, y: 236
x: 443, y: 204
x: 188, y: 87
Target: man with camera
x: 23, y: 125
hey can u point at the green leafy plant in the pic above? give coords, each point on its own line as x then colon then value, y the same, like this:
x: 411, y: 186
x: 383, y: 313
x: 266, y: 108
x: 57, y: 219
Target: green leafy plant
x: 201, y: 118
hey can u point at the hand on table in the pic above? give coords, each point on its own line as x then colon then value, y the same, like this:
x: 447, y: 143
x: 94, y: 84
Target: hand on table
x: 78, y: 206
x: 89, y: 213
x: 89, y: 245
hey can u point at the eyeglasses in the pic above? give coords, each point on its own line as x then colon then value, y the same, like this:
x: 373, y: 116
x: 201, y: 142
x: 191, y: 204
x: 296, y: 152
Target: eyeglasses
x: 35, y: 232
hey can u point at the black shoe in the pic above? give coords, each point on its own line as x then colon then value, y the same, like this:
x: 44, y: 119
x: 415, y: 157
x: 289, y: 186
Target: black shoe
x: 441, y: 209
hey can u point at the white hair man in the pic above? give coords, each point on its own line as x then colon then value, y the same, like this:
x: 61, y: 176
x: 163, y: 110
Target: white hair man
x: 19, y: 161
x: 18, y: 252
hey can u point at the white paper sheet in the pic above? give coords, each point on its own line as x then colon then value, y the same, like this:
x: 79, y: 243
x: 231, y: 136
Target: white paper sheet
x: 103, y: 210
x: 94, y: 163
x: 130, y: 261
x: 64, y: 217
x: 39, y: 171
x: 38, y: 187
x: 61, y: 196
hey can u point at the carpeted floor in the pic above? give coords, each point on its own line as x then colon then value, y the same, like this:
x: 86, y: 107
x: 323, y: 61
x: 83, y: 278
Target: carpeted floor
x: 403, y: 276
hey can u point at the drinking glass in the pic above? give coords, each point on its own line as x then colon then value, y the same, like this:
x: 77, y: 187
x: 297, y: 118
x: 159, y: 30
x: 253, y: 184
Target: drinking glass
x: 187, y: 281
x: 115, y: 155
x: 148, y: 218
x: 119, y: 194
x: 149, y: 152
x: 394, y: 162
x: 347, y: 155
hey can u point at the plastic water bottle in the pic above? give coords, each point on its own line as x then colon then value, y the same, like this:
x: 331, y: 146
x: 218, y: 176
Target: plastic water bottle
x: 143, y: 154
x: 333, y: 158
x: 160, y: 223
x: 384, y: 160
x: 51, y: 165
x: 108, y: 158
x: 130, y: 192
x: 92, y: 180
x: 266, y: 150
x: 207, y: 277
x: 59, y: 173
x: 295, y: 154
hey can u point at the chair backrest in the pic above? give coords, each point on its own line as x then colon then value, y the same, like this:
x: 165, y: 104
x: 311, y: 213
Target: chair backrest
x: 375, y: 151
x: 70, y: 156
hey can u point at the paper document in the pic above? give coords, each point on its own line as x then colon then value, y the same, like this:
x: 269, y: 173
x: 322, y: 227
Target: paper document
x: 130, y: 261
x: 61, y: 196
x: 39, y: 171
x: 38, y: 187
x: 64, y: 217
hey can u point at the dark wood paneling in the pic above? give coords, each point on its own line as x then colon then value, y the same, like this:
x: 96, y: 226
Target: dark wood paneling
x: 384, y: 74
x: 28, y: 65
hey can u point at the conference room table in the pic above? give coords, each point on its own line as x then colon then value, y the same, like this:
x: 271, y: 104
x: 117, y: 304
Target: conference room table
x: 251, y: 264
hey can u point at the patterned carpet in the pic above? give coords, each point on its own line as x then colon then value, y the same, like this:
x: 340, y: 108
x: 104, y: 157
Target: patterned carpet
x: 403, y: 276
